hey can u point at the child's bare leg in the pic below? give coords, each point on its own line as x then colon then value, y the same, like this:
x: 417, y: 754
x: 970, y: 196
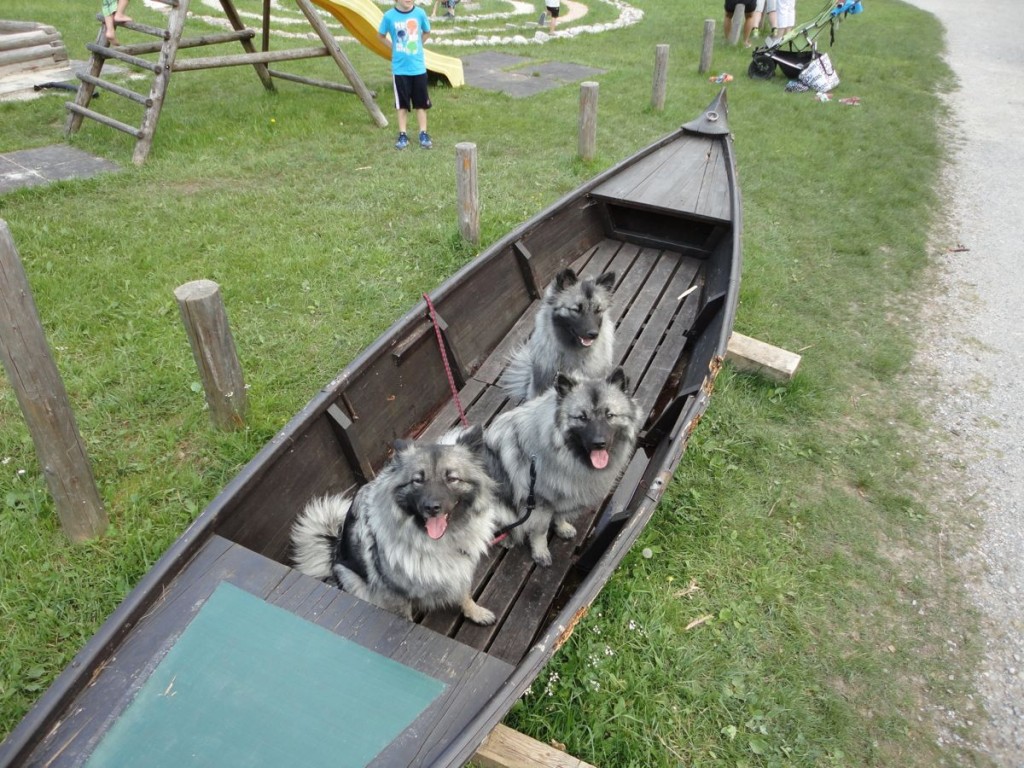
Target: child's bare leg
x: 421, y: 119
x: 403, y: 120
x: 108, y: 29
x: 119, y: 14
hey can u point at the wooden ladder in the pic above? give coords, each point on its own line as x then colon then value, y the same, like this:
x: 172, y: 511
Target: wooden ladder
x: 168, y: 43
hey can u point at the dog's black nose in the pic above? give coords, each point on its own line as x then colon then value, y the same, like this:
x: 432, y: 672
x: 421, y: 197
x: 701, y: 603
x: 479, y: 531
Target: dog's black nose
x: 431, y: 507
x: 593, y: 334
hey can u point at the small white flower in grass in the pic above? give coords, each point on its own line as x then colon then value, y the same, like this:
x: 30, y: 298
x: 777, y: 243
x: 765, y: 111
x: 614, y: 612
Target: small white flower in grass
x: 609, y: 651
x: 648, y: 553
x: 21, y: 472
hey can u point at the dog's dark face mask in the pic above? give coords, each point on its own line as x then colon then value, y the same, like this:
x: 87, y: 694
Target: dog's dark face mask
x: 593, y: 415
x: 578, y: 306
x: 439, y: 483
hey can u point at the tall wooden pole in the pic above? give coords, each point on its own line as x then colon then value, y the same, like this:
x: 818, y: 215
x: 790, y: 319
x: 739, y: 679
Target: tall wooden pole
x: 206, y: 323
x: 44, y: 401
x: 467, y: 191
x: 708, y: 46
x: 588, y: 121
x: 660, y: 83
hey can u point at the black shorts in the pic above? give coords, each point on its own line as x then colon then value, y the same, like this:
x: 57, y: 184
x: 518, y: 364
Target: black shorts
x: 730, y: 6
x: 411, y: 91
x: 554, y: 11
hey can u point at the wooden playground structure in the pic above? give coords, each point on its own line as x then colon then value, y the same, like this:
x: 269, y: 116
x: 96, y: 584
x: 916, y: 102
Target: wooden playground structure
x: 170, y: 40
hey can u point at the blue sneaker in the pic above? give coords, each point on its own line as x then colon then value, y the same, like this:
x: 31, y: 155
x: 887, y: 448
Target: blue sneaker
x: 425, y: 141
x: 403, y: 141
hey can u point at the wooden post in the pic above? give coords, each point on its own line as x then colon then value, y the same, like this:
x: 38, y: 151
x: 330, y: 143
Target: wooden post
x: 588, y: 121
x: 708, y: 47
x: 660, y: 77
x: 206, y: 323
x: 738, y: 18
x: 343, y: 63
x: 44, y: 401
x: 467, y: 191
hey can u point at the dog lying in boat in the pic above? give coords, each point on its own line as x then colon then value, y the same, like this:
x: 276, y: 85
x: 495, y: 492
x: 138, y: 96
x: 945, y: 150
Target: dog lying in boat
x: 573, y: 333
x: 562, y: 453
x: 411, y: 538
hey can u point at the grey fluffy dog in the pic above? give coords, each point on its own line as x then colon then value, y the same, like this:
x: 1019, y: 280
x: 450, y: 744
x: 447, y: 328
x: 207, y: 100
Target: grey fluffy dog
x: 573, y: 333
x: 579, y: 434
x: 412, y: 537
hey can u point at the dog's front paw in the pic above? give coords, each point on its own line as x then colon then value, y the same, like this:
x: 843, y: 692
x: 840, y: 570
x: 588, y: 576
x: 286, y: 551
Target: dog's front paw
x: 477, y: 613
x: 541, y: 556
x: 565, y: 530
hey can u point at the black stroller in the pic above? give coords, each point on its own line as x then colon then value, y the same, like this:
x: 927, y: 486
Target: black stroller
x: 794, y: 50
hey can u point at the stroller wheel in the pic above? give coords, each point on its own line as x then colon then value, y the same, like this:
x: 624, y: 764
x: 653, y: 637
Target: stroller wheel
x: 761, y: 68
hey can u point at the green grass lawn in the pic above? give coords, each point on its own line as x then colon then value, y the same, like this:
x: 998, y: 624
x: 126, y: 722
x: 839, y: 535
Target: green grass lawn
x: 791, y: 611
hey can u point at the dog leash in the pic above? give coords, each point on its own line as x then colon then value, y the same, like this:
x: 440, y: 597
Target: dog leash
x: 444, y: 359
x: 531, y: 503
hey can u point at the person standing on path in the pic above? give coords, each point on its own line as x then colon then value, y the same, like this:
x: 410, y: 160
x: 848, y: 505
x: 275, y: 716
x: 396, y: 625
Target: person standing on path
x: 407, y: 27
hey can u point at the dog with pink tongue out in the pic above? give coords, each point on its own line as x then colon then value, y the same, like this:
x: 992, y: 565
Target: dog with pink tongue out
x: 411, y: 538
x: 565, y: 450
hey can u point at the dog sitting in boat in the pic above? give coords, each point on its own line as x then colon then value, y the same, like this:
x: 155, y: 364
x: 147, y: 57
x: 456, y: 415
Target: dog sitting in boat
x: 561, y: 453
x: 411, y: 538
x: 573, y: 333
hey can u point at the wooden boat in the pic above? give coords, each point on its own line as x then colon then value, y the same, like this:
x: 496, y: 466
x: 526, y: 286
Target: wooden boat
x: 667, y: 221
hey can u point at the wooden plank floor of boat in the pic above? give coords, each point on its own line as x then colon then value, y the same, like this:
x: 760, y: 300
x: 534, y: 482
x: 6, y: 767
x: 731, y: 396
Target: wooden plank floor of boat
x: 650, y: 325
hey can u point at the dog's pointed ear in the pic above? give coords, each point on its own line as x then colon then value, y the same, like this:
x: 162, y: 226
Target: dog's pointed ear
x: 564, y: 385
x: 565, y: 279
x: 607, y: 281
x: 472, y: 438
x: 618, y: 378
x: 401, y: 446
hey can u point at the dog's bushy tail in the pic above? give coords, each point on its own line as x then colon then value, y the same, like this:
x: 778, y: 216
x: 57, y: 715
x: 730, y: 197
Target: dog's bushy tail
x: 315, y: 534
x: 517, y: 376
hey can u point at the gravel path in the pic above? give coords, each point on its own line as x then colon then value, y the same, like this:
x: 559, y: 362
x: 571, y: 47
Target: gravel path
x: 974, y: 346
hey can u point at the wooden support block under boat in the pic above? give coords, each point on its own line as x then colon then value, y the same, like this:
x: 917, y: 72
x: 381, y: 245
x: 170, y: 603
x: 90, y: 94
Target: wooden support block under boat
x: 753, y: 356
x: 505, y: 748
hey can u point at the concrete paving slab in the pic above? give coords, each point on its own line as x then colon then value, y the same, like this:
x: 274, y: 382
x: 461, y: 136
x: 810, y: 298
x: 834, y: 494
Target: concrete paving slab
x: 33, y: 167
x: 518, y: 76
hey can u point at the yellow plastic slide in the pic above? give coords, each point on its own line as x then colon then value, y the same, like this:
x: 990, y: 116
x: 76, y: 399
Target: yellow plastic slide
x: 362, y: 18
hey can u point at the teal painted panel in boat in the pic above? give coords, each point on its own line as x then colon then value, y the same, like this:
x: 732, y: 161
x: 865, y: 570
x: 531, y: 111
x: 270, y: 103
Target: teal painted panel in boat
x: 250, y: 684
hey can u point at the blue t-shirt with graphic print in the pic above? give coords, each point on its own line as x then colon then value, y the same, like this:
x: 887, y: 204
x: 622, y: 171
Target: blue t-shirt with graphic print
x: 406, y: 32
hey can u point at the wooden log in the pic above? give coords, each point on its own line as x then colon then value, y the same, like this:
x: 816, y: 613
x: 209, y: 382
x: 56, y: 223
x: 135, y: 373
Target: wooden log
x: 707, y: 47
x: 138, y: 98
x: 505, y: 748
x: 7, y: 27
x: 35, y: 52
x: 236, y: 23
x: 752, y: 356
x: 44, y: 401
x: 139, y: 49
x: 660, y: 83
x: 99, y: 117
x: 331, y: 86
x: 467, y: 191
x: 588, y: 120
x: 206, y: 323
x: 85, y: 90
x: 28, y: 39
x: 158, y: 88
x: 343, y: 63
x: 738, y: 17
x: 257, y: 57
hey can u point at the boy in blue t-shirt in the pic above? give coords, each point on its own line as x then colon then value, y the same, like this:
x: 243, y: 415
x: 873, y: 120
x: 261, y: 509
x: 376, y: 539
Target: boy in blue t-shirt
x: 408, y: 28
